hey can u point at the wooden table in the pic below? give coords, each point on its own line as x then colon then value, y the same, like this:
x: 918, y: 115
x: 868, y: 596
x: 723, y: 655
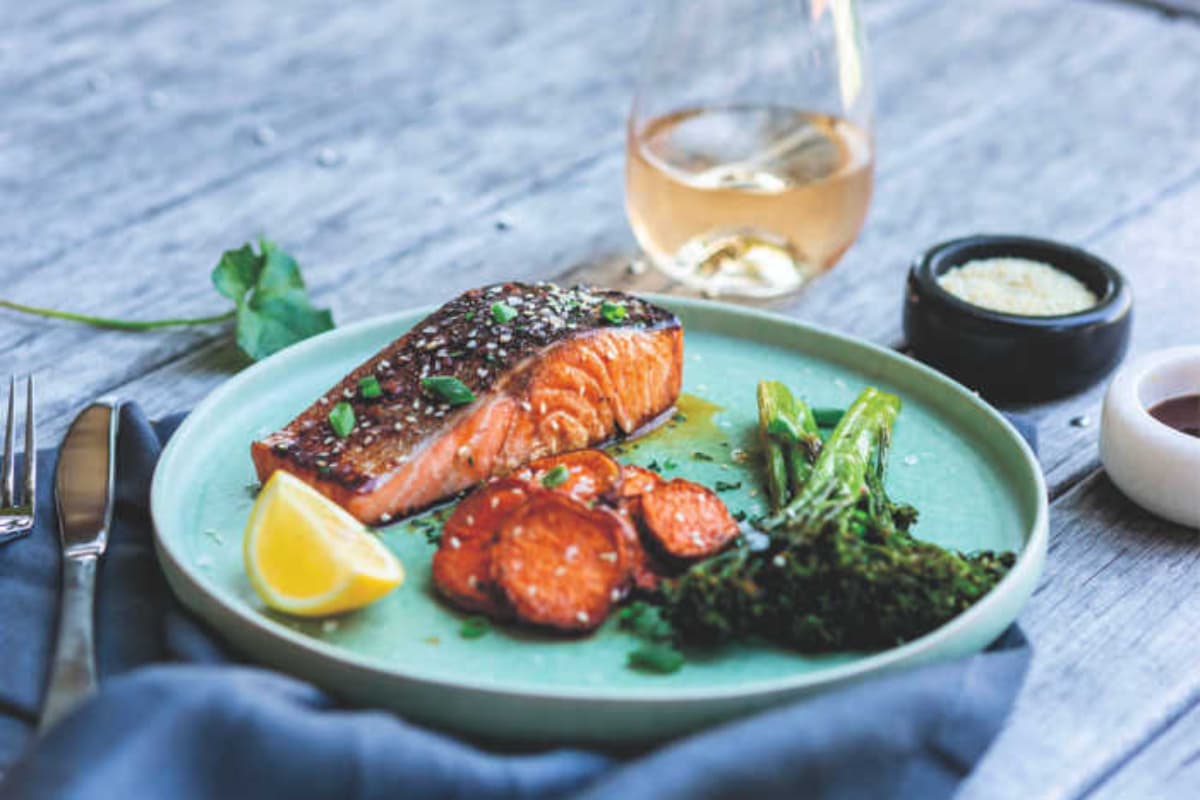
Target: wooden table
x: 406, y: 151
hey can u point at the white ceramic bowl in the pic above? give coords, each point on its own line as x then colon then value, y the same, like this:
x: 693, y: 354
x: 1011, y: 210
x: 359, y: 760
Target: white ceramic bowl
x: 1155, y: 465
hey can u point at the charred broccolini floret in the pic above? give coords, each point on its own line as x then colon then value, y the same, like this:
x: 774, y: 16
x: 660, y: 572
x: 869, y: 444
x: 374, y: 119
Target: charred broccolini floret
x: 838, y: 569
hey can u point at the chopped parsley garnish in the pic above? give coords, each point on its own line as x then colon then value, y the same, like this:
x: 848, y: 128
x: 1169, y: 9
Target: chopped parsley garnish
x: 669, y: 464
x: 739, y: 515
x: 613, y: 313
x: 369, y: 387
x: 555, y: 477
x: 470, y: 315
x: 702, y: 456
x: 662, y: 659
x: 449, y: 389
x: 503, y: 313
x: 727, y: 486
x: 657, y: 653
x: 341, y: 419
x: 474, y: 627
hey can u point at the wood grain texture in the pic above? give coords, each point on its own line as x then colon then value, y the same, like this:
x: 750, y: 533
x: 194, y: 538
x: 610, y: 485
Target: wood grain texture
x: 134, y: 148
x: 1115, y: 649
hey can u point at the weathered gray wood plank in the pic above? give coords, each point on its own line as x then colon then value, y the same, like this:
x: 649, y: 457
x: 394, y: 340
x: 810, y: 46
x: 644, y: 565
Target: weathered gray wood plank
x: 355, y: 227
x: 1168, y: 768
x: 1115, y: 648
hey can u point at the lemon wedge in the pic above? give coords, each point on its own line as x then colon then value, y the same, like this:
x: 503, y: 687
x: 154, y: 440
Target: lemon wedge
x: 307, y: 556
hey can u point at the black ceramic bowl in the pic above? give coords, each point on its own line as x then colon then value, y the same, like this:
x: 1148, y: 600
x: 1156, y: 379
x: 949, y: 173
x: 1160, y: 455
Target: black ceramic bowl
x: 1010, y: 356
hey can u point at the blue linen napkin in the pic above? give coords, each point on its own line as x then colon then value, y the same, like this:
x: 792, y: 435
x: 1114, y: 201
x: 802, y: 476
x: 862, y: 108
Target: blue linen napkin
x: 178, y: 716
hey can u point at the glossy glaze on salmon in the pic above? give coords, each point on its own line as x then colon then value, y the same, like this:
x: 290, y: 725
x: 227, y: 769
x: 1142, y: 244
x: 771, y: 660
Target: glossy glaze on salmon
x: 568, y: 371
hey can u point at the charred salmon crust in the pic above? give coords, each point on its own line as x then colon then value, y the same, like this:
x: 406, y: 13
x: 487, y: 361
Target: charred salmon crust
x: 550, y: 370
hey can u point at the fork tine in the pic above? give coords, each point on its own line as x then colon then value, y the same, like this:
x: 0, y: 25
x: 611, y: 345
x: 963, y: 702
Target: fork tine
x: 6, y: 490
x: 30, y: 498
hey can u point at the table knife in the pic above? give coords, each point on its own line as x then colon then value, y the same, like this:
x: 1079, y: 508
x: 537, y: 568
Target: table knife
x: 83, y: 490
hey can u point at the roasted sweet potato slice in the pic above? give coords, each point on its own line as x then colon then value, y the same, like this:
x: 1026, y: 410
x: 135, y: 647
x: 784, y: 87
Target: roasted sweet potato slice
x: 585, y: 474
x: 686, y: 520
x: 636, y: 481
x: 558, y: 562
x: 462, y: 565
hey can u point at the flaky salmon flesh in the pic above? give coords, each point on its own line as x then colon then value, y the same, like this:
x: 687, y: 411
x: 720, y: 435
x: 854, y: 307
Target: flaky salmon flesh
x: 535, y: 370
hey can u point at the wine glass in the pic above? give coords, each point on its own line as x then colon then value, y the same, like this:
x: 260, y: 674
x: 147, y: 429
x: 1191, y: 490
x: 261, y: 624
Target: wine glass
x: 750, y: 157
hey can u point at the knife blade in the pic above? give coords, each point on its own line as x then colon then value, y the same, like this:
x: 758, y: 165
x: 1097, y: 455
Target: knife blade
x: 83, y: 492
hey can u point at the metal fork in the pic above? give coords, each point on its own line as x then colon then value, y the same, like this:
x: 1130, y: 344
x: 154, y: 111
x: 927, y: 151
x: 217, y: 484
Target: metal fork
x: 18, y: 504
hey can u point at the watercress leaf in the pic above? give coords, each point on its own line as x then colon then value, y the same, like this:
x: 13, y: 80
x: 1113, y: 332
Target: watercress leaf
x: 277, y: 321
x: 280, y: 273
x: 237, y: 272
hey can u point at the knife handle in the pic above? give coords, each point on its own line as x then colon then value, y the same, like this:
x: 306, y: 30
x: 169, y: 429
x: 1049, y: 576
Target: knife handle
x: 73, y: 671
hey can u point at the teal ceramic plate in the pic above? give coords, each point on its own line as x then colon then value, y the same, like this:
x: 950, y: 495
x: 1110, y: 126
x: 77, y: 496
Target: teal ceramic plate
x: 976, y: 483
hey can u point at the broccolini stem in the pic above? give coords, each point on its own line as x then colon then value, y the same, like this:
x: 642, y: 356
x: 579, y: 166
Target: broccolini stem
x: 840, y: 472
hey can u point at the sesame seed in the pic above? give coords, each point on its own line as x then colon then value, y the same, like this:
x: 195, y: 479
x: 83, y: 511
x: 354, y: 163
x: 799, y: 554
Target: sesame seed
x: 616, y: 595
x: 464, y: 452
x: 472, y: 581
x: 526, y: 405
x: 505, y: 338
x: 571, y: 552
x: 455, y: 543
x: 470, y: 519
x: 411, y: 418
x: 541, y: 408
x: 778, y: 561
x: 554, y: 425
x: 481, y: 372
x: 347, y: 393
x: 679, y: 516
x: 582, y: 616
x: 399, y: 426
x: 560, y: 571
x: 324, y: 401
x: 531, y: 591
x: 518, y: 530
x: 368, y: 440
x: 429, y: 329
x: 495, y: 502
x: 696, y: 540
x: 385, y: 517
x: 610, y: 556
x: 385, y: 364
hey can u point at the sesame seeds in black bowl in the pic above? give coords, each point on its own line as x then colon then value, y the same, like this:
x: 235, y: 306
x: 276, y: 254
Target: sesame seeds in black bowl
x: 1015, y: 318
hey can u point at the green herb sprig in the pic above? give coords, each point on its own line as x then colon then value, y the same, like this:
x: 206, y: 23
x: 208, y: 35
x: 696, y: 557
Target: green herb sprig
x: 448, y: 389
x: 555, y: 477
x: 271, y: 304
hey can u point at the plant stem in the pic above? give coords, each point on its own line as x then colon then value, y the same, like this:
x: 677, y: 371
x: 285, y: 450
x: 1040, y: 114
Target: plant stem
x: 117, y: 324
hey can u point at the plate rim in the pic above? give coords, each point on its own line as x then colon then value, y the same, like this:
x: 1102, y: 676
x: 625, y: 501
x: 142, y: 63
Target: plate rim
x: 1029, y: 559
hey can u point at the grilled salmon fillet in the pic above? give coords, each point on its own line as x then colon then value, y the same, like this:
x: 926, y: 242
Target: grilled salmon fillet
x: 549, y: 370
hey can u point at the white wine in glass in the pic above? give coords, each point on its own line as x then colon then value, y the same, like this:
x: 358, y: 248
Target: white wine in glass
x: 750, y: 178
